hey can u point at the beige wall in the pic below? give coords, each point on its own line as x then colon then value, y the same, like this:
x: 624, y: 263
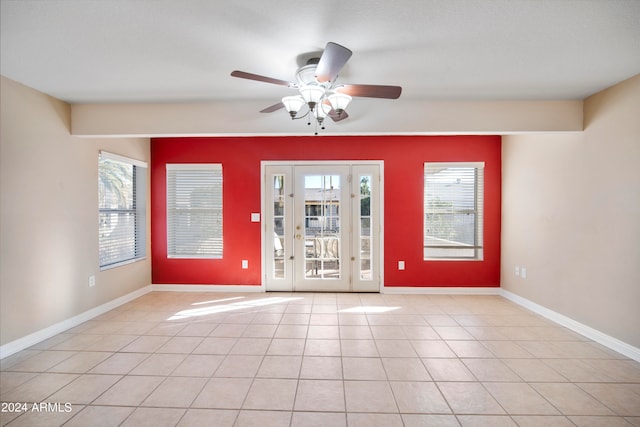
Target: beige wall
x: 49, y: 216
x: 571, y: 216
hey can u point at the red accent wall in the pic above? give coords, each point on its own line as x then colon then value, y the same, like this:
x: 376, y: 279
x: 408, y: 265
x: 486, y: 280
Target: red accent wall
x: 403, y: 157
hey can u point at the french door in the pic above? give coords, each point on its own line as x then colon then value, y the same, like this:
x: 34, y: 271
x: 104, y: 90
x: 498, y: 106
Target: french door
x: 322, y: 227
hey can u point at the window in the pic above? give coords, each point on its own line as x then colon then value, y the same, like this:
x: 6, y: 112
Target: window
x: 453, y: 205
x: 194, y: 210
x: 122, y: 189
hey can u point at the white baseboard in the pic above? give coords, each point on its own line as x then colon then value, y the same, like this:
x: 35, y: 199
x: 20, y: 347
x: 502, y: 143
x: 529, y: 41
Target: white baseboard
x: 587, y: 331
x: 27, y: 341
x: 207, y: 288
x: 439, y: 291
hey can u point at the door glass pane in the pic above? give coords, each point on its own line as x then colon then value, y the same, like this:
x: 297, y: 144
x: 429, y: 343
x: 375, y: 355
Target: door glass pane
x: 278, y: 227
x: 365, y: 227
x: 322, y: 226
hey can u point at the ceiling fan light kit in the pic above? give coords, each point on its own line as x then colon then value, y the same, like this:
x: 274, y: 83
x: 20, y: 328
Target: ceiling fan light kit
x: 318, y: 90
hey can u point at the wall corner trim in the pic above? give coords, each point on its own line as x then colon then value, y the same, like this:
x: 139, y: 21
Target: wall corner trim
x: 587, y: 331
x: 27, y: 341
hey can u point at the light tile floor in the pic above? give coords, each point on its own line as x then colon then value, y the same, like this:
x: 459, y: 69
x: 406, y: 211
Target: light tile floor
x: 279, y: 359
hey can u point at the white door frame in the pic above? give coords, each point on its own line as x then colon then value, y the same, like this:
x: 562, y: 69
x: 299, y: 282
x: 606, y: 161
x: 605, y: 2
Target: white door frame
x: 264, y: 238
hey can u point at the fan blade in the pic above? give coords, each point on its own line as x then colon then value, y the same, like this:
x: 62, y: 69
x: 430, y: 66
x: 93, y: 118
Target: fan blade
x: 257, y: 77
x: 337, y: 117
x: 272, y: 108
x: 331, y: 62
x: 371, y: 91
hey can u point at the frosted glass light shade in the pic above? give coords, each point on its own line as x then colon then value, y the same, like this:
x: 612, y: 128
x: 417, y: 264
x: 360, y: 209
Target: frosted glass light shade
x: 312, y: 94
x: 321, y: 112
x: 339, y: 101
x: 293, y: 104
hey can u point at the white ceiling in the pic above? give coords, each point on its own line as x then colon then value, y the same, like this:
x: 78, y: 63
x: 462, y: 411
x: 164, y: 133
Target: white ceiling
x: 99, y: 51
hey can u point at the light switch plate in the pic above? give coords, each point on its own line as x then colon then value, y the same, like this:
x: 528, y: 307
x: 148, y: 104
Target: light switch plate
x: 255, y: 216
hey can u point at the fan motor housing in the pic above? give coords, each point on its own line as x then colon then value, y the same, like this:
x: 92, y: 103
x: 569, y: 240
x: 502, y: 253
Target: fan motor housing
x: 306, y: 75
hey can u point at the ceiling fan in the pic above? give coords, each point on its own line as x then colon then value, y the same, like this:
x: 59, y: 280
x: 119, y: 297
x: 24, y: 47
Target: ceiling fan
x: 318, y: 89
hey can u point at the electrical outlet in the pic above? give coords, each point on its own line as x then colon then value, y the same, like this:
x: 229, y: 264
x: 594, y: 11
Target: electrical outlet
x: 523, y: 272
x: 92, y: 281
x: 517, y: 270
x: 245, y: 264
x: 400, y: 265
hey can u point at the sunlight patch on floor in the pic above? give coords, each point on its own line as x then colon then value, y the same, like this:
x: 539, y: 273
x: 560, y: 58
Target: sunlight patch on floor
x: 221, y: 308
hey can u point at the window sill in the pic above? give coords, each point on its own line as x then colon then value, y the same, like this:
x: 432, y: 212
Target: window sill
x: 121, y: 263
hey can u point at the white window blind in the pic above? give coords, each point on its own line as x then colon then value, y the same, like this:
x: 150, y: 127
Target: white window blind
x: 122, y: 188
x: 194, y: 211
x: 453, y: 210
